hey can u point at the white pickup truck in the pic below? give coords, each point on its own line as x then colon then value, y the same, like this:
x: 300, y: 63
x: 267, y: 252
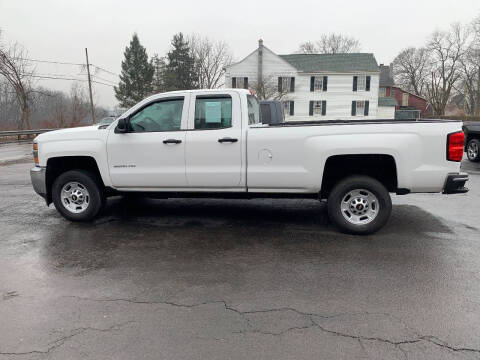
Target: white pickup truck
x: 212, y: 143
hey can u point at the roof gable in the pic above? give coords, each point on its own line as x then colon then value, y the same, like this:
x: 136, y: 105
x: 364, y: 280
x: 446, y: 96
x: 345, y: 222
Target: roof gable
x: 352, y: 62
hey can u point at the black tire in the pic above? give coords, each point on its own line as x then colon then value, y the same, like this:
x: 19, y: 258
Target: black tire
x: 473, y: 150
x: 96, y: 197
x: 341, y: 191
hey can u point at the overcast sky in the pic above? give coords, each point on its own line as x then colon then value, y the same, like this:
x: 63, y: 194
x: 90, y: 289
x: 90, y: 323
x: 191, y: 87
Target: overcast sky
x: 60, y: 30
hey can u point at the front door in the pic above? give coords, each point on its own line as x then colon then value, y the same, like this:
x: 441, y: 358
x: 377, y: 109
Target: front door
x: 152, y: 153
x: 214, y: 143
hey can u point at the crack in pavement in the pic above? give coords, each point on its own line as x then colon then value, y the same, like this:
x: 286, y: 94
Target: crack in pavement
x: 310, y: 316
x: 60, y: 341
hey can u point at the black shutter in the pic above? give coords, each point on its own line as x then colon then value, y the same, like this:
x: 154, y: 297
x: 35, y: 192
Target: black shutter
x: 366, y: 108
x: 324, y: 107
x: 245, y: 82
x: 234, y: 82
x: 292, y: 106
x: 325, y: 83
x: 367, y: 84
x: 354, y: 108
x: 292, y: 84
x: 312, y: 83
x: 279, y: 84
x: 355, y: 79
x: 310, y: 111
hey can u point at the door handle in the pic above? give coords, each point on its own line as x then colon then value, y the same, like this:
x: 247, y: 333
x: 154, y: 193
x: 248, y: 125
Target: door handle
x: 227, y: 139
x: 172, y: 141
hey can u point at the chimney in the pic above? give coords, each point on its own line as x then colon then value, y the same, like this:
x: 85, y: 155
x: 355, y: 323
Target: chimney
x: 260, y: 62
x: 391, y: 70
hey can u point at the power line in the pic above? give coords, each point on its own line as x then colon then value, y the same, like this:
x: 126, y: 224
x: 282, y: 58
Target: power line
x: 98, y: 77
x: 70, y: 79
x: 68, y: 63
x: 102, y: 69
x: 52, y: 62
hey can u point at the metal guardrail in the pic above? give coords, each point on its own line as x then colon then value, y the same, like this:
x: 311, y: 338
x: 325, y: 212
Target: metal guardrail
x: 19, y: 133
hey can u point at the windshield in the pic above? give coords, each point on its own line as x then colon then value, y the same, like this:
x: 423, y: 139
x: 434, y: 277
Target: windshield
x: 253, y: 110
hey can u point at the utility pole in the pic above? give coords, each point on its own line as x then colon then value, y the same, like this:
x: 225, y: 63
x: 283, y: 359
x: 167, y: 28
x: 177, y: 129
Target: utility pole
x: 90, y: 87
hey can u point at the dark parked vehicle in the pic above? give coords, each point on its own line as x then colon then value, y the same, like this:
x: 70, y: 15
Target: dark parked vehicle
x: 472, y: 140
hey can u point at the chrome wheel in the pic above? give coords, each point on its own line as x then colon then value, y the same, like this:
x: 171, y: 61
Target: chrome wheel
x: 472, y: 150
x: 359, y: 206
x: 75, y: 197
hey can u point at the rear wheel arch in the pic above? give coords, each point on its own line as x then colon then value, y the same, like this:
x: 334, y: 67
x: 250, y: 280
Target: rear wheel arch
x: 381, y: 167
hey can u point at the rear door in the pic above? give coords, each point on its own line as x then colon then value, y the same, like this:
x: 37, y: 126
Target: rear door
x: 152, y: 153
x: 214, y: 142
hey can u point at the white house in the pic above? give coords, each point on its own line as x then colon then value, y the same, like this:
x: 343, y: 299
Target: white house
x: 313, y: 86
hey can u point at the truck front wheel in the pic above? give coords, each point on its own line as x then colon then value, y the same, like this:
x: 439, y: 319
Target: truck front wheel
x: 359, y: 205
x: 78, y: 195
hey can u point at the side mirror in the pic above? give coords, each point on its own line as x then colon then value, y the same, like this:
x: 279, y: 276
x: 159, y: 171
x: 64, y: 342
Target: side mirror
x: 122, y: 126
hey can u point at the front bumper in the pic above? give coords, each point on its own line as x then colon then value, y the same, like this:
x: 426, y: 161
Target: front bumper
x: 37, y: 175
x: 455, y: 183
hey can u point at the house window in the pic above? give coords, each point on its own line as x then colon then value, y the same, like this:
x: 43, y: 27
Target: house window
x: 382, y: 92
x: 317, y: 108
x: 286, y: 84
x: 318, y: 83
x: 240, y: 82
x: 288, y: 109
x: 405, y: 99
x: 361, y: 83
x: 360, y: 108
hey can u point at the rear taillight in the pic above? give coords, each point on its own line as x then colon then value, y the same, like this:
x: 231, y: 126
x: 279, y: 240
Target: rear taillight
x: 455, y: 142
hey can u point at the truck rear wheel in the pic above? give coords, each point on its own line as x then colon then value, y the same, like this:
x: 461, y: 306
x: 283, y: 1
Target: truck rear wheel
x: 78, y: 195
x: 359, y: 205
x: 473, y: 150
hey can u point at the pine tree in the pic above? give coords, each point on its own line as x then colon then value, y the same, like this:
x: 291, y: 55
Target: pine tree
x: 180, y: 71
x: 136, y: 76
x: 159, y: 66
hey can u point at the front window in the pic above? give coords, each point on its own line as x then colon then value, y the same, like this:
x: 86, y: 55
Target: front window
x: 382, y: 92
x: 361, y: 83
x: 253, y: 110
x: 360, y: 108
x: 213, y: 112
x: 165, y: 115
x: 317, y: 108
x: 318, y: 83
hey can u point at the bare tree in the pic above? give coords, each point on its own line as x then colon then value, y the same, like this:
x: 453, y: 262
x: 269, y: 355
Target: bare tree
x: 267, y: 89
x: 470, y: 68
x: 17, y: 71
x: 331, y: 44
x: 211, y: 58
x: 446, y: 50
x: 411, y: 69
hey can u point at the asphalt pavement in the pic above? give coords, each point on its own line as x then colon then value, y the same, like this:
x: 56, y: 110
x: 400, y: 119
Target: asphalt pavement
x: 236, y: 279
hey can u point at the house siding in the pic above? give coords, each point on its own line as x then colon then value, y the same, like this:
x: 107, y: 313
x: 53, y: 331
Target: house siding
x: 338, y: 97
x: 413, y: 101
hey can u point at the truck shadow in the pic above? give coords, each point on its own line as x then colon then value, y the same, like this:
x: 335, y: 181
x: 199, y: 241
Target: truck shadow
x: 185, y: 232
x: 256, y: 214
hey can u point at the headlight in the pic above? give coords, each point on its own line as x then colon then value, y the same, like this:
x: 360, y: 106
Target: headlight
x: 35, y: 153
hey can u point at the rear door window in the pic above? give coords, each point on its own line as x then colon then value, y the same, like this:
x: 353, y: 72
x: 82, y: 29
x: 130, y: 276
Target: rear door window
x: 213, y: 112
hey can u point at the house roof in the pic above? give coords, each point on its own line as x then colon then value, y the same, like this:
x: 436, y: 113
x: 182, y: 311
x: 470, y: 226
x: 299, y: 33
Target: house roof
x: 385, y: 78
x: 387, y: 101
x: 352, y: 62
